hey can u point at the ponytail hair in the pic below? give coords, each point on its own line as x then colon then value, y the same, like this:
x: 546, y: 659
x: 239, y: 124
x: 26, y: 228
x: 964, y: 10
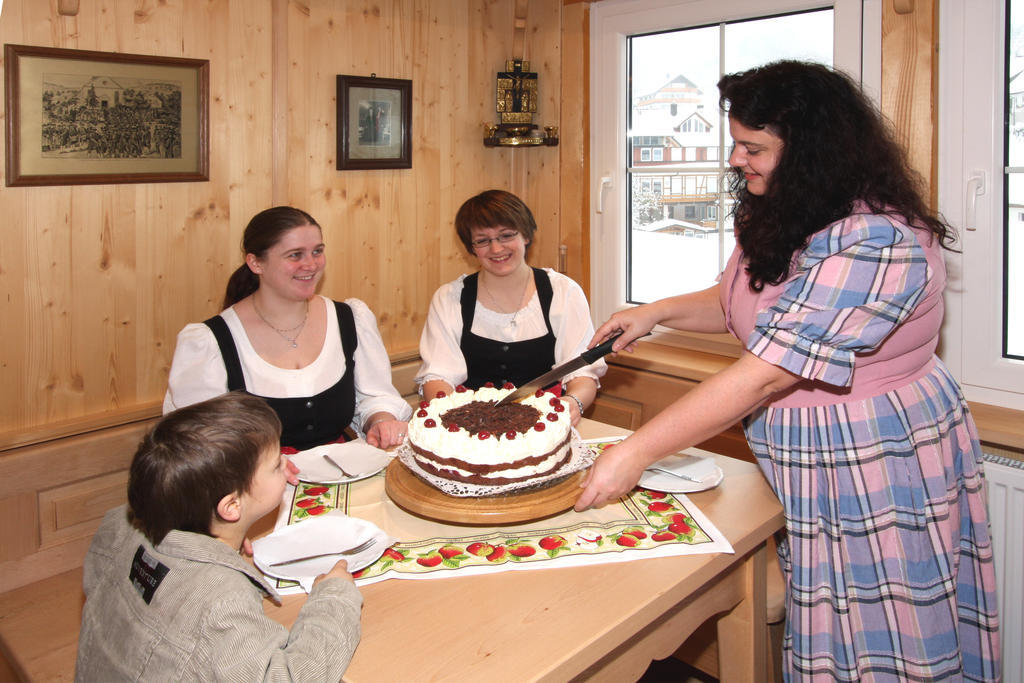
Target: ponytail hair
x: 264, y: 230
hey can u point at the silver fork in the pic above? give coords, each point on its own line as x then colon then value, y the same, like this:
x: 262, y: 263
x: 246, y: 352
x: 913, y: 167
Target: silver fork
x: 687, y: 477
x: 348, y: 551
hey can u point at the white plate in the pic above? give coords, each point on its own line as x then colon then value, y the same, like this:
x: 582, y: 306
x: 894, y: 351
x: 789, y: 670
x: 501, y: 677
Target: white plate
x: 333, y: 530
x: 702, y: 467
x: 357, y: 457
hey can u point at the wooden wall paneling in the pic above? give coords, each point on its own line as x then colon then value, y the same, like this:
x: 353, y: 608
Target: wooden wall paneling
x: 436, y: 67
x: 73, y: 480
x: 100, y: 251
x: 573, y: 127
x: 279, y: 40
x: 99, y: 279
x: 353, y: 238
x: 47, y: 329
x: 477, y: 51
x: 17, y: 402
x: 909, y: 84
x: 654, y: 391
x: 161, y: 26
x: 243, y: 145
x: 71, y: 512
x: 20, y: 534
x: 618, y: 411
x: 536, y: 168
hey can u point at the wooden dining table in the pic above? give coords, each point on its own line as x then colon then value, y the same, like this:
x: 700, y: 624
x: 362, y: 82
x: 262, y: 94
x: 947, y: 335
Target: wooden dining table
x: 597, y: 622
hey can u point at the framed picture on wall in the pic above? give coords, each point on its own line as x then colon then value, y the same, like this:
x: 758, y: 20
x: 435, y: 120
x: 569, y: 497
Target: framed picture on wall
x: 374, y: 123
x: 77, y: 117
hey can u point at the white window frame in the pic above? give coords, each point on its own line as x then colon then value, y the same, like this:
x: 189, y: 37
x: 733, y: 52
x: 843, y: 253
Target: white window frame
x: 971, y: 86
x: 857, y: 51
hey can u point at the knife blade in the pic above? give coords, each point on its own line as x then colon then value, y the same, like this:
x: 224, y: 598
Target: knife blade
x: 559, y: 371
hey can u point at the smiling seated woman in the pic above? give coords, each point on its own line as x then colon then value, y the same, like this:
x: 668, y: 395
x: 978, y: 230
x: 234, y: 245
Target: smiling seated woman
x: 320, y: 364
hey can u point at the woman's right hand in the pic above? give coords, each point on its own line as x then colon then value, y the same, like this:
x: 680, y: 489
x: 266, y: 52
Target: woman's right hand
x: 338, y: 571
x: 633, y: 323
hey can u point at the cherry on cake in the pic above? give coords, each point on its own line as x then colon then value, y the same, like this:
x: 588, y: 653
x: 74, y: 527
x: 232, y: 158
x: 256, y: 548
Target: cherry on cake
x: 467, y: 438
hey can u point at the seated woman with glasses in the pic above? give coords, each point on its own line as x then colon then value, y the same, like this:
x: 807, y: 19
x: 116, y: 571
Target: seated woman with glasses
x: 508, y: 322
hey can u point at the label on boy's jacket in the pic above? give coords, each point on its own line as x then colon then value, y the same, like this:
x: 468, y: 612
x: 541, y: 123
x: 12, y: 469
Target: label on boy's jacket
x: 146, y: 574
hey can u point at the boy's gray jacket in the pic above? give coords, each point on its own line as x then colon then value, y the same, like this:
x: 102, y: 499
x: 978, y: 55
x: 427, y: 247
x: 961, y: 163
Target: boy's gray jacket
x: 204, y: 616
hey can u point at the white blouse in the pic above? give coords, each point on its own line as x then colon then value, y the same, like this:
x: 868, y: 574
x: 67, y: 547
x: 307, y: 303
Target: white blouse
x: 198, y: 371
x: 570, y: 321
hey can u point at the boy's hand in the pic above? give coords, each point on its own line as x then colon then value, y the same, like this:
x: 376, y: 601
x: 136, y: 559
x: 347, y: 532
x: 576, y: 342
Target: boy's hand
x: 338, y: 571
x: 293, y: 472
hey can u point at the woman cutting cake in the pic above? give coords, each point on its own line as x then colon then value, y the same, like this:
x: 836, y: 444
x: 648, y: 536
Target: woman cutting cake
x: 508, y: 322
x: 320, y: 364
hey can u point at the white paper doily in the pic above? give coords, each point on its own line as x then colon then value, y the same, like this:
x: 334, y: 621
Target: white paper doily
x: 582, y: 457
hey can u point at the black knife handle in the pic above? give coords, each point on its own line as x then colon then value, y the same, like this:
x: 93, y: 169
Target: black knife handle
x: 604, y: 348
x: 601, y: 350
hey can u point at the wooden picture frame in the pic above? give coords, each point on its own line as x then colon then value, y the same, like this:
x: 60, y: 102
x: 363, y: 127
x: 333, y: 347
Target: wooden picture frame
x: 79, y: 117
x: 374, y: 123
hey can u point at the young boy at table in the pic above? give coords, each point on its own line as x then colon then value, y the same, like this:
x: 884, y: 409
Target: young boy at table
x: 168, y: 594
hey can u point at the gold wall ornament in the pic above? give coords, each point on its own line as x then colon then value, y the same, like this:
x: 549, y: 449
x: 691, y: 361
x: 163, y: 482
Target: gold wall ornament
x: 516, y: 103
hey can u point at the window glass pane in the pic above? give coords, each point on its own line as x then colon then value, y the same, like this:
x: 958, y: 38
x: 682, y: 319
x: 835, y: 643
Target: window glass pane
x: 679, y: 240
x: 1014, y: 304
x: 1013, y: 245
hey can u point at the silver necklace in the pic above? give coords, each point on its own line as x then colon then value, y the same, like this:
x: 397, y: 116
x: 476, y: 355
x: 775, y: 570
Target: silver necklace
x: 284, y: 333
x: 490, y: 295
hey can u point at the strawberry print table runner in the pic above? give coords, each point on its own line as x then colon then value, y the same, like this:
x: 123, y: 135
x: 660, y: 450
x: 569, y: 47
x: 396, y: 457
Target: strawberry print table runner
x: 644, y: 524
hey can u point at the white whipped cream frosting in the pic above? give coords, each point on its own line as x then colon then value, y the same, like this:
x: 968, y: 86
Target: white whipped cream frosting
x: 496, y: 449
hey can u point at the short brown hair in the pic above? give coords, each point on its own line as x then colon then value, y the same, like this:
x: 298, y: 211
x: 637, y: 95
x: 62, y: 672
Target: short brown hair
x: 195, y: 456
x: 494, y: 209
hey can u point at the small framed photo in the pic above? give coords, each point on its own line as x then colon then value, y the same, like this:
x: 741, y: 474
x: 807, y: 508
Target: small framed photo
x: 78, y: 117
x: 374, y: 123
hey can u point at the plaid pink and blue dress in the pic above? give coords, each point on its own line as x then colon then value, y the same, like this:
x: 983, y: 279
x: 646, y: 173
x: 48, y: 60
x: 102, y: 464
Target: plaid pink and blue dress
x: 875, y: 458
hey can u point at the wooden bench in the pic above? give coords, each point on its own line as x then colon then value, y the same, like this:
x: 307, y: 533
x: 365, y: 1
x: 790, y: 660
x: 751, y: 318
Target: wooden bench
x: 39, y: 626
x: 53, y: 496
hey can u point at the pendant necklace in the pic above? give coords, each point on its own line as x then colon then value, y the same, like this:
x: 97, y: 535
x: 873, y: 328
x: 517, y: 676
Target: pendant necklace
x: 515, y: 313
x: 284, y: 333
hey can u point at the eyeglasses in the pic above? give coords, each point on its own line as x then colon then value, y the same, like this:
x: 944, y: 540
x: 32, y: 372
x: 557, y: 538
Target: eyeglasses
x: 502, y: 238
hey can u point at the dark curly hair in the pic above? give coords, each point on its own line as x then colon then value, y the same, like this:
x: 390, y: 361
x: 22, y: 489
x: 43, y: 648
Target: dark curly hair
x: 837, y: 149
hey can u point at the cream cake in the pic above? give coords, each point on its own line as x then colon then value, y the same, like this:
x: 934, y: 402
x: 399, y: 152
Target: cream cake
x: 466, y: 438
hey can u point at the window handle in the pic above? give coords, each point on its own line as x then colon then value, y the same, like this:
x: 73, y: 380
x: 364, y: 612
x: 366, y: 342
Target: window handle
x: 975, y: 188
x: 606, y: 182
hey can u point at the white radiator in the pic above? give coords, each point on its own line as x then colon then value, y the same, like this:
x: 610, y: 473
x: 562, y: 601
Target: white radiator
x: 1006, y: 514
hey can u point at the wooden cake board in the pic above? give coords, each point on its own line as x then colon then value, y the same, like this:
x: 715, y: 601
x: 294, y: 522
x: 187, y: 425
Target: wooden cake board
x: 420, y: 498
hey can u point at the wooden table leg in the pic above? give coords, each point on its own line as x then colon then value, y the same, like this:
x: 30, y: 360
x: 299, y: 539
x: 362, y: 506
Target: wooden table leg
x: 743, y: 632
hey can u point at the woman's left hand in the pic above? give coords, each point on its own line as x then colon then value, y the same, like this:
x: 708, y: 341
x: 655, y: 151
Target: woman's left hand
x: 614, y: 474
x: 386, y: 433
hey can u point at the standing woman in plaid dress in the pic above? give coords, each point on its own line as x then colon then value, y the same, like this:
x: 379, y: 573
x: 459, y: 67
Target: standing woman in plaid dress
x: 835, y: 290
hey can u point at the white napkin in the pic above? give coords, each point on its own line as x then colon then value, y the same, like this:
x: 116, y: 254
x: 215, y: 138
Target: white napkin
x: 332, y: 531
x: 694, y: 466
x: 358, y: 458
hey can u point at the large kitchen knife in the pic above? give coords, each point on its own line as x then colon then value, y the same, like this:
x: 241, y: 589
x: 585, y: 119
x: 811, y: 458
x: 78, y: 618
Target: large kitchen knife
x: 559, y: 371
